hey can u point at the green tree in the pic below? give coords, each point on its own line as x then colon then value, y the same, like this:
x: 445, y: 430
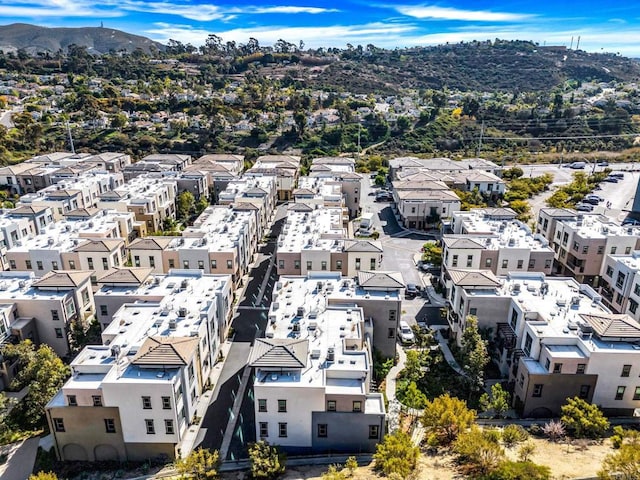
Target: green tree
x: 446, y: 417
x: 622, y: 465
x: 118, y: 121
x: 185, y: 204
x: 266, y: 460
x: 497, y: 403
x: 475, y: 355
x: 414, y: 398
x: 396, y: 454
x: 583, y: 419
x: 44, y: 373
x: 513, y: 172
x: 513, y: 435
x: 200, y: 464
x: 432, y: 253
x: 202, y: 204
x: 414, y: 366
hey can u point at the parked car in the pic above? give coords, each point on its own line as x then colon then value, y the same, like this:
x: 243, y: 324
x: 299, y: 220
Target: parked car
x: 384, y: 197
x: 591, y: 201
x: 584, y: 207
x: 616, y: 175
x: 411, y: 291
x: 603, y: 164
x: 405, y: 334
x: 630, y: 222
x: 593, y: 196
x: 611, y: 180
x: 578, y: 165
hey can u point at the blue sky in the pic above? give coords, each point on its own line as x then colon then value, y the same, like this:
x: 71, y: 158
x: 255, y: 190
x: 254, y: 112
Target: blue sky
x: 612, y: 26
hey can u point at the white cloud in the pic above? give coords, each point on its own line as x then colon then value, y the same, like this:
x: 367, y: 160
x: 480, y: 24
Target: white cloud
x: 291, y: 9
x: 55, y: 8
x: 444, y: 13
x: 200, y: 13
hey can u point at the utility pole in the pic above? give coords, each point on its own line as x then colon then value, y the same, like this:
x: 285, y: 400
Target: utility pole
x: 480, y: 139
x: 578, y: 44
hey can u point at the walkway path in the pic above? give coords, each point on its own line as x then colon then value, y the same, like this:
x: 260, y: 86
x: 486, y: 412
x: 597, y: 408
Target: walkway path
x: 393, y: 410
x: 22, y: 457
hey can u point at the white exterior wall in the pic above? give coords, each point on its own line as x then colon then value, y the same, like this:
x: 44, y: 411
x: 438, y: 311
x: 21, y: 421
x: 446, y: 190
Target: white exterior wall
x: 47, y: 257
x: 512, y: 255
x: 301, y: 402
x: 462, y: 254
x: 315, y: 256
x: 608, y: 367
x: 193, y: 255
x: 634, y: 296
x: 365, y: 262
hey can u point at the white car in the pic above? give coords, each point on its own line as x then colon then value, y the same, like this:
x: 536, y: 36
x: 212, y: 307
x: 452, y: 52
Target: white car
x: 405, y: 334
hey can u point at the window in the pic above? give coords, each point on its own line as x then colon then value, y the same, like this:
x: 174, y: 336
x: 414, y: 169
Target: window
x: 636, y: 393
x: 72, y: 264
x: 487, y: 263
x: 469, y: 261
x: 537, y: 390
x: 172, y: 263
x: 185, y: 264
x: 357, y: 406
x: 282, y: 429
x: 357, y: 264
x: 600, y: 250
x: 338, y: 264
x: 28, y: 264
x: 72, y: 401
x: 296, y: 264
x: 620, y: 392
x: 391, y: 333
x: 39, y: 265
x: 613, y: 249
x: 12, y: 264
x: 322, y: 430
x: 527, y: 345
x: 146, y: 403
x: 392, y: 315
x: 229, y: 264
x: 168, y: 427
x: 636, y: 289
x: 214, y: 264
x: 454, y: 261
x: 90, y: 263
x: 85, y: 296
x: 620, y: 280
x: 280, y: 264
x: 104, y: 310
x: 55, y: 315
x: 372, y: 264
x: 151, y: 429
x: 264, y: 429
x: 581, y: 368
x: 109, y: 425
x: 282, y: 405
x: 58, y: 332
x: 97, y: 400
x: 166, y: 403
x: 514, y: 318
x: 626, y: 370
x: 262, y: 405
x: 473, y: 311
x: 505, y: 263
x: 105, y: 263
x: 331, y: 405
x: 200, y: 264
x: 584, y: 391
x: 547, y: 364
x: 576, y: 246
x: 152, y: 261
x: 547, y: 263
x: 532, y: 263
x: 323, y: 265
x: 627, y: 250
x: 585, y: 249
x: 633, y: 305
x: 374, y: 431
x: 136, y: 261
x: 609, y: 271
x: 520, y: 264
x: 58, y: 424
x: 557, y: 368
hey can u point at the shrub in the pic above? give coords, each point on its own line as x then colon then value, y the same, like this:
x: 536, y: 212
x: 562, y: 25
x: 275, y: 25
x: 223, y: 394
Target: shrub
x: 396, y: 454
x: 584, y: 419
x: 519, y: 471
x: 351, y: 465
x: 199, y: 464
x: 554, y: 430
x: 446, y: 417
x: 525, y: 451
x: 513, y: 434
x: 478, y: 451
x: 266, y: 460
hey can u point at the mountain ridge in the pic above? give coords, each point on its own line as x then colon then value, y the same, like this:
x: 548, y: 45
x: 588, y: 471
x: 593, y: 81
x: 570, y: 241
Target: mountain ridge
x: 35, y: 39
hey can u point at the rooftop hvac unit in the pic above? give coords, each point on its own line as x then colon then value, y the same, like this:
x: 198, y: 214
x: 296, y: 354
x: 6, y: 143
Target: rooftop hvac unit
x: 516, y: 288
x: 300, y: 312
x: 172, y: 324
x: 182, y: 312
x: 184, y: 284
x: 331, y: 355
x: 315, y: 353
x: 115, y: 351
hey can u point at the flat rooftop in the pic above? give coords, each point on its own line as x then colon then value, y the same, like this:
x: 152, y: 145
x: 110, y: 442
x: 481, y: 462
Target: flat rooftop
x: 497, y: 235
x: 320, y: 229
x: 217, y: 229
x: 16, y: 285
x: 631, y: 261
x: 599, y: 226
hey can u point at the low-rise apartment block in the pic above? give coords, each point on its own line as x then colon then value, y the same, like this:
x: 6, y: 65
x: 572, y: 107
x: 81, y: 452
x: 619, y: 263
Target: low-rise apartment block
x: 134, y: 397
x: 220, y: 170
x: 313, y: 371
x: 620, y: 283
x: 43, y: 309
x: 157, y: 163
x: 151, y: 199
x: 259, y: 192
x: 285, y: 168
x: 341, y: 170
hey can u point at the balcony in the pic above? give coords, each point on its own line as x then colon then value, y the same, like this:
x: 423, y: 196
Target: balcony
x: 506, y: 337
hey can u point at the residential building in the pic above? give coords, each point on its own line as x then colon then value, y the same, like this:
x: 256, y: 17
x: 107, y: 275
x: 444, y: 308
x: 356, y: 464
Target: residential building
x: 620, y: 283
x: 285, y: 168
x: 257, y: 191
x: 313, y: 372
x: 342, y: 171
x: 425, y: 208
x: 135, y: 396
x: 157, y: 163
x: 548, y: 219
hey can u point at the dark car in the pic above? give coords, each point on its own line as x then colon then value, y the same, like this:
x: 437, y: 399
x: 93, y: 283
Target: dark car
x: 383, y: 197
x: 584, y: 207
x: 611, y: 180
x: 591, y: 201
x: 603, y: 164
x: 411, y: 291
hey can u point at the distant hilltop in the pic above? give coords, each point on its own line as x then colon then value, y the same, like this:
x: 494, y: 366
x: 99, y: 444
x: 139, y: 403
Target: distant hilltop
x: 97, y: 40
